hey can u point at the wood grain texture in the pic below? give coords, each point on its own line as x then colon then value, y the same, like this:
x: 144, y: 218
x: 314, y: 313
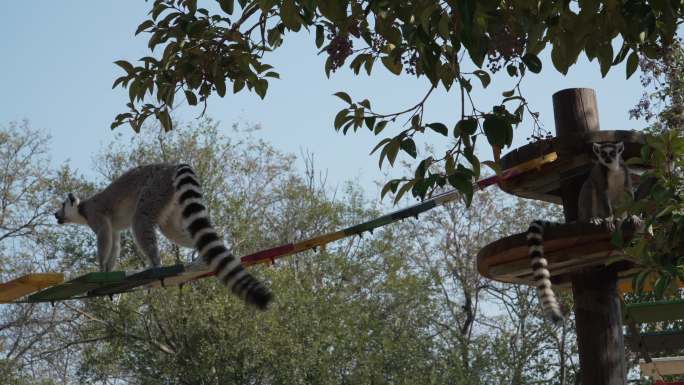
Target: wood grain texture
x: 599, y: 327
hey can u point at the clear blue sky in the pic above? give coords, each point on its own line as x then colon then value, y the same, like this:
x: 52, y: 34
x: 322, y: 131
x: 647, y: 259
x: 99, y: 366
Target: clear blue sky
x: 56, y: 70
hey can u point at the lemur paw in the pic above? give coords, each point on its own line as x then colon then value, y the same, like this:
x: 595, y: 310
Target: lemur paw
x: 596, y: 221
x: 609, y: 223
x: 636, y: 220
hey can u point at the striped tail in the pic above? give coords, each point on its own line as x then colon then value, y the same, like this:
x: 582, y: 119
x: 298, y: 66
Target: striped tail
x: 209, y: 244
x: 540, y: 271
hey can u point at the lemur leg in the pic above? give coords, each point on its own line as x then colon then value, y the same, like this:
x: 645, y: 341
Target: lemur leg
x: 116, y: 250
x: 104, y: 243
x: 145, y: 219
x: 608, y: 207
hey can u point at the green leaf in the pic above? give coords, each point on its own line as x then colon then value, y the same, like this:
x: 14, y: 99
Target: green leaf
x: 190, y: 96
x: 394, y: 66
x: 466, y: 126
x: 358, y: 117
x: 379, y: 127
x: 512, y: 70
x: 320, y: 36
x: 558, y: 59
x: 165, y: 120
x: 660, y: 285
x: 440, y: 128
x: 340, y: 118
x: 532, y: 62
x: 415, y: 122
x: 450, y: 165
x: 365, y: 103
x: 220, y: 84
x: 462, y: 183
x: 409, y: 147
x: 389, y: 186
x: 227, y: 6
x: 392, y: 150
x: 380, y: 144
x: 261, y: 87
x: 499, y: 132
x: 191, y: 5
x: 144, y: 25
x: 368, y: 64
x: 443, y: 26
x: 605, y: 58
x: 621, y: 55
x: 483, y: 76
x: 289, y: 14
x: 632, y: 64
x: 128, y: 67
x: 343, y: 96
x: 370, y: 122
x: 407, y: 186
x: 638, y: 281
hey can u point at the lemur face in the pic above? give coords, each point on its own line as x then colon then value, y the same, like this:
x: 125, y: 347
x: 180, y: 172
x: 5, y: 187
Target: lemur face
x: 69, y: 211
x: 608, y: 154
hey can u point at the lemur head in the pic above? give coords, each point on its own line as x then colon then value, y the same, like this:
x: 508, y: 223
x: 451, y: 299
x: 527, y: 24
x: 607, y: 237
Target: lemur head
x: 609, y: 154
x: 69, y: 213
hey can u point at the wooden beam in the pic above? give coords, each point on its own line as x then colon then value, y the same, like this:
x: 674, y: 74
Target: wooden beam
x: 27, y: 284
x: 667, y: 342
x: 191, y: 272
x: 134, y: 280
x: 80, y: 285
x: 644, y: 312
x: 665, y: 366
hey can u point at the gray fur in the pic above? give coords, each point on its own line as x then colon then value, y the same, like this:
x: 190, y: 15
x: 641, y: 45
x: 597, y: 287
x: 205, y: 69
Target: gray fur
x: 149, y: 197
x: 608, y: 182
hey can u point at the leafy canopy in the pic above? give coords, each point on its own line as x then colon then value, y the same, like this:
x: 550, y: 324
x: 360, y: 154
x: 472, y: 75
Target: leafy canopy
x: 214, y: 47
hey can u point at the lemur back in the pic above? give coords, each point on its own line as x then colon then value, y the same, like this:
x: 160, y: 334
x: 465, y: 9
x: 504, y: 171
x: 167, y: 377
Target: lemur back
x: 607, y: 183
x: 170, y: 197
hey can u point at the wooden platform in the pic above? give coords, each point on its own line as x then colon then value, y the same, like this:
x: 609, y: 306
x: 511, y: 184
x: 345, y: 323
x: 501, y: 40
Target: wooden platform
x: 574, y: 159
x: 567, y: 247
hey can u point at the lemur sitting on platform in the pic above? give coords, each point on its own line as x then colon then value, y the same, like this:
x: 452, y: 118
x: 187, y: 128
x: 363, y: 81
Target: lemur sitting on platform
x: 608, y: 182
x: 168, y: 196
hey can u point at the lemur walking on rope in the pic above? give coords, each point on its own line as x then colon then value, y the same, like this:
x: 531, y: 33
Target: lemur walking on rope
x: 170, y: 197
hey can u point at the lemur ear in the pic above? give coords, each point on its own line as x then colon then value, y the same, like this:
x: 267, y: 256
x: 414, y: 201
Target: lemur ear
x: 72, y: 199
x: 597, y: 148
x: 619, y: 146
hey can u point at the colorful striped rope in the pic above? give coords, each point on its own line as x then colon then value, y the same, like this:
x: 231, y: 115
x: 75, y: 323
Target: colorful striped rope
x: 270, y: 255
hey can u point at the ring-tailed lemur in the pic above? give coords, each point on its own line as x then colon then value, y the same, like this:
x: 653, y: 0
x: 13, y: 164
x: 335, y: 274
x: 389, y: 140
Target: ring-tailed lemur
x: 169, y: 196
x: 607, y: 183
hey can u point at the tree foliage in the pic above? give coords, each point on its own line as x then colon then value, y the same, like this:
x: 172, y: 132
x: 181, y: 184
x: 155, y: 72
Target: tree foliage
x: 209, y: 48
x: 403, y: 305
x: 659, y: 199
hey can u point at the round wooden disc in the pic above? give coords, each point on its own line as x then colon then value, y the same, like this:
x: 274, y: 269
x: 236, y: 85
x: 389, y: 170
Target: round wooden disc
x: 568, y: 248
x: 574, y: 158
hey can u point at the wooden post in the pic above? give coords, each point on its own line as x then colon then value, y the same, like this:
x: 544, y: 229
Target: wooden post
x: 597, y: 303
x: 599, y: 327
x: 576, y: 113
